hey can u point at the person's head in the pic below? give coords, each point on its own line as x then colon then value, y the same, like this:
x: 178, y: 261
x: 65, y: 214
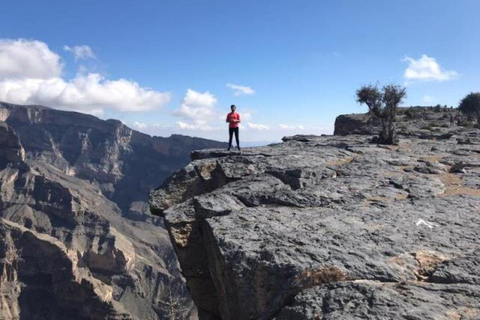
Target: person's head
x: 233, y: 108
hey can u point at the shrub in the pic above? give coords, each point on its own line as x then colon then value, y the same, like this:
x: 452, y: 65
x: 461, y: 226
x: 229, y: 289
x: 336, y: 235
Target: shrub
x: 412, y: 113
x: 470, y: 105
x: 383, y: 105
x: 316, y: 276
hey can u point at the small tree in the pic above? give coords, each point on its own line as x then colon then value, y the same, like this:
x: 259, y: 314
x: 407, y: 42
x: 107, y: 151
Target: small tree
x: 470, y: 105
x: 383, y: 104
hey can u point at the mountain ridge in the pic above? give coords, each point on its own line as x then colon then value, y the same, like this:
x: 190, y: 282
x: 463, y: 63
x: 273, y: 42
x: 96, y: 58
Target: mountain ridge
x: 75, y: 228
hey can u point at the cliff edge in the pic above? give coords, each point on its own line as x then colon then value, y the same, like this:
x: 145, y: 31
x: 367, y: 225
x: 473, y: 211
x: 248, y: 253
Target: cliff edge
x: 331, y: 227
x: 77, y: 241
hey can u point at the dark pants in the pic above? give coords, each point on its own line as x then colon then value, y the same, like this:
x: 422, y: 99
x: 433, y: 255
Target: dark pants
x: 231, y: 131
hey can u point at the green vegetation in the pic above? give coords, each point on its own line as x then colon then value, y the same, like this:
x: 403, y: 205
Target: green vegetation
x: 470, y: 105
x: 383, y: 104
x: 412, y: 113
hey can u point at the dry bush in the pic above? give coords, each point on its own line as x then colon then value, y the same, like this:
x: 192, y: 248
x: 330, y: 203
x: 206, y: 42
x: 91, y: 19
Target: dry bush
x: 317, y: 276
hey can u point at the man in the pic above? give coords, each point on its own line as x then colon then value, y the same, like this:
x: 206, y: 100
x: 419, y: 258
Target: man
x: 233, y: 120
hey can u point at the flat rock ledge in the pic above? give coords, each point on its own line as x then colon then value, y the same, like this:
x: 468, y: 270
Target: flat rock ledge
x: 330, y: 228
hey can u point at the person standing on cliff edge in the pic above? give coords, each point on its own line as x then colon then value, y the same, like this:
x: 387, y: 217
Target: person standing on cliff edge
x: 233, y: 120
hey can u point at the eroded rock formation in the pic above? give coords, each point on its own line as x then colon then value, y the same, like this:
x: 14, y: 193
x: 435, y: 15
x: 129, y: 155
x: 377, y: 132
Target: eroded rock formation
x: 422, y: 122
x: 76, y: 239
x: 331, y: 228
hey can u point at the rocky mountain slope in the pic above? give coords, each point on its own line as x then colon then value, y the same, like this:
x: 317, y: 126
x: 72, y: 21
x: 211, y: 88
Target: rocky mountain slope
x: 76, y: 239
x: 331, y: 227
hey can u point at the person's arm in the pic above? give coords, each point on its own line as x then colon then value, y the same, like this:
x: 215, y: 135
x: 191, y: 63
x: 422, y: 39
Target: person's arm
x: 238, y: 120
x: 227, y: 120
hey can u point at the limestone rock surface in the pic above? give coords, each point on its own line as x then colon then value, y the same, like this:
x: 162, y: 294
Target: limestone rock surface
x: 330, y: 227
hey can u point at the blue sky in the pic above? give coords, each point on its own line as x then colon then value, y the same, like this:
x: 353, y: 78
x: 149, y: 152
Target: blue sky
x: 299, y: 62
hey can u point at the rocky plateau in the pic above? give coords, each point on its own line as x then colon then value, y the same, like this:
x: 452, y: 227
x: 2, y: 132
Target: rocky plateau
x: 333, y: 227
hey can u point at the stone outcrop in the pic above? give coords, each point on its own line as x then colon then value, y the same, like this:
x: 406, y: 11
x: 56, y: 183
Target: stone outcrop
x: 41, y: 280
x: 330, y: 227
x: 422, y: 122
x: 11, y: 149
x: 76, y: 238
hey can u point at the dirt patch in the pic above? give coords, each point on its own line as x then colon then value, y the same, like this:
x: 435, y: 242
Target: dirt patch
x: 427, y: 262
x: 316, y: 276
x: 433, y: 158
x: 454, y: 186
x: 340, y: 162
x: 452, y: 314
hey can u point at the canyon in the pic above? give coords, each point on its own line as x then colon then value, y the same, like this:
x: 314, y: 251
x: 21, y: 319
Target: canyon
x: 77, y: 239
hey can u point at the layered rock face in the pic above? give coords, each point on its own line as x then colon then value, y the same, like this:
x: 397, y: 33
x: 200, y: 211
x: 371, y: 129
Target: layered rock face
x: 124, y: 163
x: 76, y: 241
x: 330, y: 228
x: 41, y: 280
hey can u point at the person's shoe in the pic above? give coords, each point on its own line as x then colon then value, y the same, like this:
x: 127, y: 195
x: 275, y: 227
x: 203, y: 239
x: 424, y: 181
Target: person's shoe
x: 228, y: 149
x: 238, y: 147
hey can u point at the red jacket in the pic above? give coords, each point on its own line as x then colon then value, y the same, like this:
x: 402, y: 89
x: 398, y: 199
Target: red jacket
x: 230, y: 119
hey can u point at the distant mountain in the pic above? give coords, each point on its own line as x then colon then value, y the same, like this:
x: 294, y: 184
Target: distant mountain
x: 76, y: 237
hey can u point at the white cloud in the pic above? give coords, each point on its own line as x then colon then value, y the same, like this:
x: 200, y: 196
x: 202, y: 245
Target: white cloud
x: 257, y: 126
x: 30, y: 73
x: 20, y: 59
x: 197, y: 106
x: 198, y: 126
x: 246, y: 116
x: 140, y: 125
x: 291, y: 127
x: 197, y: 111
x: 83, y: 93
x: 426, y: 68
x: 81, y: 52
x: 240, y: 90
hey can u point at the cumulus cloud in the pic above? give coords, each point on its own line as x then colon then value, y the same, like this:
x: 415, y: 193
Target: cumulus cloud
x: 427, y: 68
x: 240, y: 90
x: 197, y: 126
x: 30, y: 73
x: 20, y: 59
x: 197, y: 105
x: 85, y: 93
x: 80, y: 52
x: 257, y: 126
x: 197, y: 111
